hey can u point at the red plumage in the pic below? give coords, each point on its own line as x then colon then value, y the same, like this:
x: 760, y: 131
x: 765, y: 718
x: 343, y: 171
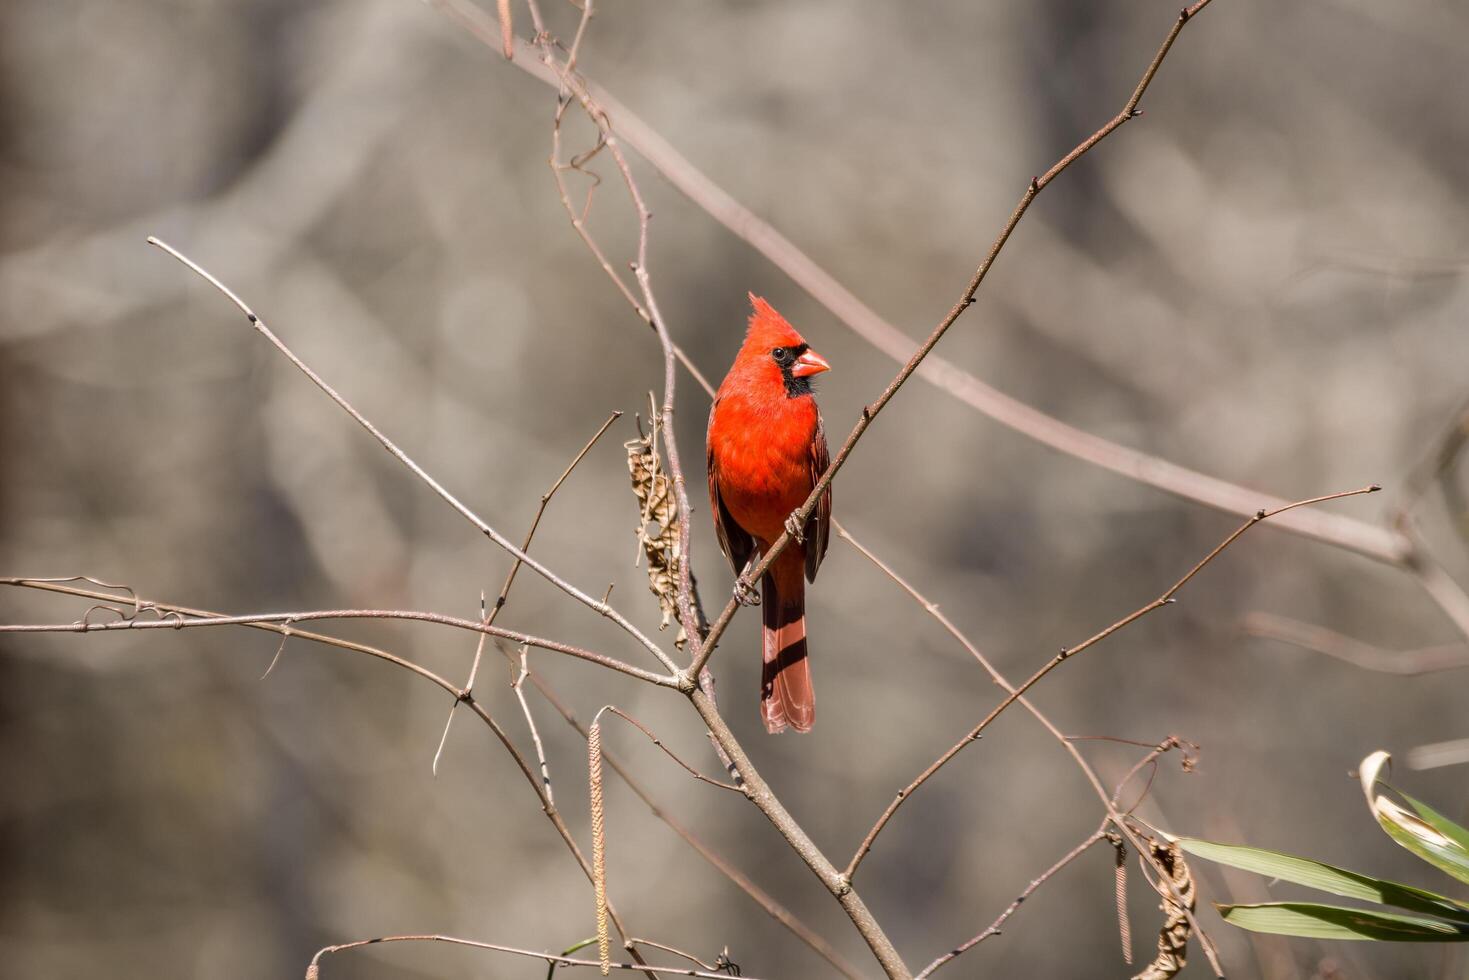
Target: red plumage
x: 766, y: 451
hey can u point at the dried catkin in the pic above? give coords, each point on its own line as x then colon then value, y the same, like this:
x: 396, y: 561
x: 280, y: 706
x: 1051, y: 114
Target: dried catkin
x: 599, y: 843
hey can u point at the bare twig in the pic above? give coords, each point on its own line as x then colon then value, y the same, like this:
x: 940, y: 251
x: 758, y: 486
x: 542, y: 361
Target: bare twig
x: 994, y: 927
x: 1434, y: 578
x: 479, y: 649
x: 1190, y: 759
x: 669, y: 752
x: 1437, y: 754
x: 600, y: 607
x: 489, y: 618
x: 724, y: 957
x: 1436, y: 463
x: 517, y: 684
x: 82, y: 626
x: 285, y: 635
x: 313, y: 972
x: 1066, y: 653
x: 1422, y: 660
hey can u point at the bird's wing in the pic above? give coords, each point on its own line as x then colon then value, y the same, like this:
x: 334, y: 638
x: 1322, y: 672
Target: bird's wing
x: 734, y: 541
x: 818, y: 525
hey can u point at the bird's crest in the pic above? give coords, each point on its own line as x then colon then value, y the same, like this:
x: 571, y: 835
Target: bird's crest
x: 768, y: 328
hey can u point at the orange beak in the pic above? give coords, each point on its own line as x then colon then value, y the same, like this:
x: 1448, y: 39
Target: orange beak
x: 808, y: 364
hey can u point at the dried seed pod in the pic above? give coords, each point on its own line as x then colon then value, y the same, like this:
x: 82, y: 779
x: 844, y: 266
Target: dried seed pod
x: 657, y: 529
x: 1173, y: 937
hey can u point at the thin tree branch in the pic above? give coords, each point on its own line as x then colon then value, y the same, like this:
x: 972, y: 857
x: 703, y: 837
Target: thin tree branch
x: 669, y: 752
x: 994, y: 927
x: 1434, y: 579
x: 1434, y: 755
x: 518, y: 686
x: 182, y: 622
x: 489, y: 618
x: 1438, y: 461
x: 966, y: 299
x: 479, y: 649
x: 313, y: 972
x: 678, y: 952
x: 171, y: 609
x: 1066, y: 653
x: 1423, y: 660
x: 1188, y: 750
x: 402, y: 457
x: 541, y: 510
x: 769, y: 804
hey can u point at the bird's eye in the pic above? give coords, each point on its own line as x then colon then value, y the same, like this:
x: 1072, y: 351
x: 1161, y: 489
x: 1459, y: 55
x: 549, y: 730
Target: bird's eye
x: 781, y: 355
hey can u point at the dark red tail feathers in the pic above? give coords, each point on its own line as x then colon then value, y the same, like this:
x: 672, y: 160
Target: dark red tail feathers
x: 786, y: 696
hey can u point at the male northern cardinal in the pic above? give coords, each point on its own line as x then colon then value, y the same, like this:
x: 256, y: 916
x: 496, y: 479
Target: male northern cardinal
x: 766, y: 452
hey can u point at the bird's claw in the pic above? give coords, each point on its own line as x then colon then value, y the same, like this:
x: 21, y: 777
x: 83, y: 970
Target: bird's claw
x: 795, y: 530
x: 744, y: 593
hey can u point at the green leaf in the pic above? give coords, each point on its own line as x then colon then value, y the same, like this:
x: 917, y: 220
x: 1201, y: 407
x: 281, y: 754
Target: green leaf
x: 1419, y: 835
x: 1438, y: 821
x: 1326, y: 878
x: 551, y: 967
x: 1313, y: 921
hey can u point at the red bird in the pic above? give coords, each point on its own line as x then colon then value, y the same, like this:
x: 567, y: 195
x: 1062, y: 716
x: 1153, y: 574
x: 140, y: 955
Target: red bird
x: 766, y: 452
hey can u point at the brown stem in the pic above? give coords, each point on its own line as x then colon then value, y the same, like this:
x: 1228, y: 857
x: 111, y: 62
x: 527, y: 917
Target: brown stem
x: 82, y: 626
x: 994, y: 927
x: 313, y: 972
x: 669, y: 752
x: 763, y: 797
x: 1424, y: 660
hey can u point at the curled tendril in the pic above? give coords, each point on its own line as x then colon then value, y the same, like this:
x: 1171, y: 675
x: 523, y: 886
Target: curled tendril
x: 86, y: 621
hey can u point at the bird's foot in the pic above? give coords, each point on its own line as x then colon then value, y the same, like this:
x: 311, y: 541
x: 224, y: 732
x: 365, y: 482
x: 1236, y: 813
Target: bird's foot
x: 744, y: 592
x: 795, y: 530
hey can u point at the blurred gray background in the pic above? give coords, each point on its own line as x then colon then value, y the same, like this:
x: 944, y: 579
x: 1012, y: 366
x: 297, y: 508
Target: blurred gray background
x: 1263, y: 278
